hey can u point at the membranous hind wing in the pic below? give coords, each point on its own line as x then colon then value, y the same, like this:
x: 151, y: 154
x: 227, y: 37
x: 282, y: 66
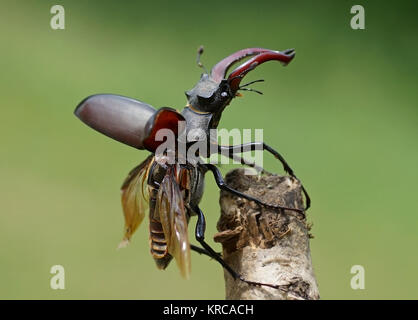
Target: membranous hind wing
x: 172, y: 214
x: 135, y: 198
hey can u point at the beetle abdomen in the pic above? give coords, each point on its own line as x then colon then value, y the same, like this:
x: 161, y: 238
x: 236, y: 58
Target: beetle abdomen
x: 158, y: 244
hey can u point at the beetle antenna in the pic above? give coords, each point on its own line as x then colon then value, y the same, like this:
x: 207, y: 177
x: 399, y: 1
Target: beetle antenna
x: 247, y: 84
x: 199, y: 54
x: 250, y: 89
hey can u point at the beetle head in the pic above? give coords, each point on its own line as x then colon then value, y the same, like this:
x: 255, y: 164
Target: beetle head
x: 214, y: 91
x: 209, y: 95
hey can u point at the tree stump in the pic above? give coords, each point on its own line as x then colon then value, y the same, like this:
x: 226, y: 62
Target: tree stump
x: 266, y: 245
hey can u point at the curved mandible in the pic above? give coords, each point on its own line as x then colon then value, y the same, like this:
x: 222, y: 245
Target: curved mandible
x: 219, y: 71
x: 238, y: 74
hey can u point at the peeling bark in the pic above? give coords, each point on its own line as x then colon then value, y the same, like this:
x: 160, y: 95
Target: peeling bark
x: 265, y: 245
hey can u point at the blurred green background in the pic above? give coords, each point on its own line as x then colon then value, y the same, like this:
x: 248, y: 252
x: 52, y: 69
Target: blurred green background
x: 343, y: 113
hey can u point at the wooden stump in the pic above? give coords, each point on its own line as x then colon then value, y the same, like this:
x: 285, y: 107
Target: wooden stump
x: 266, y: 245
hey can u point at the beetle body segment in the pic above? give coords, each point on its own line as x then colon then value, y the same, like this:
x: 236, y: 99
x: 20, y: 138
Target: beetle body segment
x: 197, y: 125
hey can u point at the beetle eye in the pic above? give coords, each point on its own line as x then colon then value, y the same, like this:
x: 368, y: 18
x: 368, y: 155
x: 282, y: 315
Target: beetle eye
x: 224, y: 94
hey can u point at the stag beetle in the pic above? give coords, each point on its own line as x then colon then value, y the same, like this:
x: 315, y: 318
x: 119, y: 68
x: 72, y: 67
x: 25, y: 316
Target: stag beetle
x: 173, y: 190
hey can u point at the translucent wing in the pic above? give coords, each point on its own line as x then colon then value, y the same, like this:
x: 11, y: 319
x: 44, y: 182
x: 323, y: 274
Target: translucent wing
x: 170, y: 207
x: 135, y: 198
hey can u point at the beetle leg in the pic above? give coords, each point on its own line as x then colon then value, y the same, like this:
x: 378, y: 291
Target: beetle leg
x: 200, y: 250
x: 252, y: 146
x: 223, y: 186
x: 200, y: 236
x: 246, y: 162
